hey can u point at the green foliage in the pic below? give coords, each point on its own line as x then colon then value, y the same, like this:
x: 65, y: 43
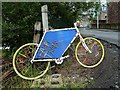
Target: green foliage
x: 7, y: 54
x: 18, y: 21
x: 16, y: 82
x: 18, y: 18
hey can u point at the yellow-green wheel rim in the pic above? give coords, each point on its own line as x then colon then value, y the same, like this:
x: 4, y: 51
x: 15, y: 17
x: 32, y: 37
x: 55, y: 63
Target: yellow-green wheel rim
x: 24, y: 77
x: 92, y: 66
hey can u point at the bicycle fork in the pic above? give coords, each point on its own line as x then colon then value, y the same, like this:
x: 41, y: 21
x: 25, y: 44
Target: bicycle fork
x: 83, y: 43
x: 85, y: 46
x: 81, y: 38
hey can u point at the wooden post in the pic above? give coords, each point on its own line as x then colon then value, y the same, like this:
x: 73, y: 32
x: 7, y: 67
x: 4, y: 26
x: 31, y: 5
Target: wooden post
x: 44, y: 10
x: 37, y: 30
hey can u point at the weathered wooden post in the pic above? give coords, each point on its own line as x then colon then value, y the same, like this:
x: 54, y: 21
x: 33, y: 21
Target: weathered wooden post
x: 37, y: 30
x: 37, y: 26
x: 44, y: 10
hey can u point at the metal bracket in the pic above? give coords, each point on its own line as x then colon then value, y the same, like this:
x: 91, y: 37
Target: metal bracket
x: 60, y: 60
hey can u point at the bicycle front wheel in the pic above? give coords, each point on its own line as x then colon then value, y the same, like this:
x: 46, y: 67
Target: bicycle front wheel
x: 86, y: 59
x: 22, y: 65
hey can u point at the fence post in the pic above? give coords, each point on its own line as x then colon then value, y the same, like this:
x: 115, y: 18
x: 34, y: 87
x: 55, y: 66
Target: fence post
x: 37, y: 30
x: 44, y: 10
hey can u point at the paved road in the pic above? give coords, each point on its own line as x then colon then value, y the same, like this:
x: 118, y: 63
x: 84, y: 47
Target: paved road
x: 108, y: 35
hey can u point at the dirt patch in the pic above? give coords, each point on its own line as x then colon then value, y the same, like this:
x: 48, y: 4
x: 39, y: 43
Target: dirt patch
x: 103, y: 76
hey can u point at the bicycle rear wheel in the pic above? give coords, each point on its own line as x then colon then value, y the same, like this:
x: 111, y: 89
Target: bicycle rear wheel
x: 86, y: 59
x: 22, y: 65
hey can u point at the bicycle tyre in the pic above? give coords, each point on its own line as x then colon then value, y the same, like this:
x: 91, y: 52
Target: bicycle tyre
x: 19, y: 58
x: 86, y: 53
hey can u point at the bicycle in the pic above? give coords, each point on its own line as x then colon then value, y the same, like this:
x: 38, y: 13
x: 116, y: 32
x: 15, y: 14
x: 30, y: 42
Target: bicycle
x: 32, y: 60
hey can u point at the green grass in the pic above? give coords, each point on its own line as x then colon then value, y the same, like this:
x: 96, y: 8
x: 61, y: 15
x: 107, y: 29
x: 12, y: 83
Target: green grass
x: 16, y: 82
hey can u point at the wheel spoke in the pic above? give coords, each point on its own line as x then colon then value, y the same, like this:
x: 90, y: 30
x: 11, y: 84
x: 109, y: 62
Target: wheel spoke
x: 23, y: 55
x: 25, y: 69
x: 22, y: 65
x: 87, y: 59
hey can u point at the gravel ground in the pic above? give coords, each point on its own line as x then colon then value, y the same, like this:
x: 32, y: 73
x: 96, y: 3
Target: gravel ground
x: 103, y: 76
x: 106, y: 75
